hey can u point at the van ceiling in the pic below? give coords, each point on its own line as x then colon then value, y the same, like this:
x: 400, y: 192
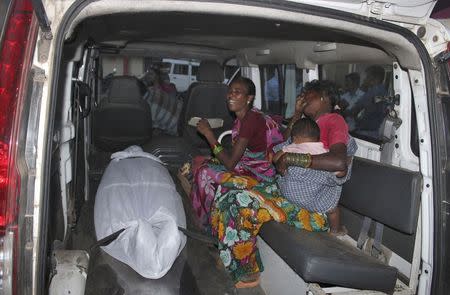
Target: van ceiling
x: 191, y: 35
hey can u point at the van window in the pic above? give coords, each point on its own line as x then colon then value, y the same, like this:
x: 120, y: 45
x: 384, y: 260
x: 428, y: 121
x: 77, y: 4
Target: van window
x: 180, y: 69
x: 293, y: 85
x: 122, y: 65
x: 281, y: 84
x: 229, y: 71
x: 272, y: 98
x: 194, y: 70
x: 364, y: 96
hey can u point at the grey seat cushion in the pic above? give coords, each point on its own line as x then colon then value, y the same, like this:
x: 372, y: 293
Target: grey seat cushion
x: 123, y: 118
x: 322, y: 258
x: 206, y: 99
x: 396, y: 199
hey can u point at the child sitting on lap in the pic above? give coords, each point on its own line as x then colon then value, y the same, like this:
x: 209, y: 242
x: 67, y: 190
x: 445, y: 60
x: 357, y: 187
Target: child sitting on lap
x: 307, y: 188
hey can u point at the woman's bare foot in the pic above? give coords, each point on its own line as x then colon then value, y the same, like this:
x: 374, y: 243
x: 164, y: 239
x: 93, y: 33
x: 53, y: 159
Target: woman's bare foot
x: 249, y: 281
x: 341, y: 231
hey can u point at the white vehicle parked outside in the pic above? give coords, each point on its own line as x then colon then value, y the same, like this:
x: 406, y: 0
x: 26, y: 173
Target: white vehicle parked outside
x: 182, y: 72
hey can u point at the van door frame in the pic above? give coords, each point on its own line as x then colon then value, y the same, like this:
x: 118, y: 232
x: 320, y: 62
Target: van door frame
x: 436, y: 185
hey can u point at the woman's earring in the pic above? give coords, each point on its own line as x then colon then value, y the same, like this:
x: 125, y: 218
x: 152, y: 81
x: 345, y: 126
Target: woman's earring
x: 321, y: 98
x: 248, y: 101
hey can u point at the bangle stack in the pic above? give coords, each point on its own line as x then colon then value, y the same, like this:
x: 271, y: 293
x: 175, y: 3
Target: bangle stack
x: 300, y: 160
x: 217, y: 149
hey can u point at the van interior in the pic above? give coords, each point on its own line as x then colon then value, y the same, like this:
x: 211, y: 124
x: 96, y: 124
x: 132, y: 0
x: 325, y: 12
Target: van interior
x: 100, y: 107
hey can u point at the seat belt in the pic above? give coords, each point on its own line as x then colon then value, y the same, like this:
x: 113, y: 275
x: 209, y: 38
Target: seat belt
x: 364, y: 234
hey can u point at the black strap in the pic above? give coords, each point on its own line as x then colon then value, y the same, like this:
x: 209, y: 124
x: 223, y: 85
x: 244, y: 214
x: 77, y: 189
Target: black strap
x: 106, y: 240
x: 198, y: 236
x: 191, y: 234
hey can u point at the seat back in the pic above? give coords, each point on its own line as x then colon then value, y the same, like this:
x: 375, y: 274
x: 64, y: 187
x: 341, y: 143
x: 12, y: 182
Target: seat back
x: 123, y: 118
x: 206, y: 99
x: 387, y: 194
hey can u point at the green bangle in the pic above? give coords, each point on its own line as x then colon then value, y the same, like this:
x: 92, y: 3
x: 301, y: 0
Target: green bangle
x: 300, y: 160
x: 217, y: 149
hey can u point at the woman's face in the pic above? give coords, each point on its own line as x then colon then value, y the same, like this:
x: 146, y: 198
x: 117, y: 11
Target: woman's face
x: 238, y: 98
x: 313, y: 103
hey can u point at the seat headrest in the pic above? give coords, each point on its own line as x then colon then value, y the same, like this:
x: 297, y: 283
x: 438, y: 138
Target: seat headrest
x: 125, y: 88
x: 210, y: 71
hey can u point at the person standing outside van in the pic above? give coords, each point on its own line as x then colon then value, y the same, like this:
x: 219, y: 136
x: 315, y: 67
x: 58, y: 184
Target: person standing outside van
x: 348, y: 100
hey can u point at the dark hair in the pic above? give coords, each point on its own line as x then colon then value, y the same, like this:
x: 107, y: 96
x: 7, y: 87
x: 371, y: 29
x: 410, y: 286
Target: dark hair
x: 354, y: 77
x: 324, y: 87
x: 377, y: 72
x: 251, y: 89
x: 306, y: 127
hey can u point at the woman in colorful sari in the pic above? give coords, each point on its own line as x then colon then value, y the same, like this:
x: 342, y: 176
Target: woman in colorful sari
x: 234, y: 193
x: 253, y: 137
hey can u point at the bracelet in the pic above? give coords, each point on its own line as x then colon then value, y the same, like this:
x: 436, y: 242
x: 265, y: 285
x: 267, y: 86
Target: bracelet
x: 217, y: 149
x: 214, y: 144
x: 300, y: 160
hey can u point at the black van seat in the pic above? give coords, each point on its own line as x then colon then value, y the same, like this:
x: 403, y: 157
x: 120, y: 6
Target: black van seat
x: 388, y: 195
x: 322, y: 258
x: 174, y: 151
x: 123, y: 118
x: 206, y: 99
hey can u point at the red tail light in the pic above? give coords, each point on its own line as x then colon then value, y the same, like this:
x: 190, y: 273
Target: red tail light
x: 11, y: 62
x: 13, y: 69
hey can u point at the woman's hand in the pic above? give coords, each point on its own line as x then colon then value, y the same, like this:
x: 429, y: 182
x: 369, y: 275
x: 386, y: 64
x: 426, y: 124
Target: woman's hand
x: 204, y: 128
x: 300, y: 104
x: 277, y: 156
x: 280, y: 164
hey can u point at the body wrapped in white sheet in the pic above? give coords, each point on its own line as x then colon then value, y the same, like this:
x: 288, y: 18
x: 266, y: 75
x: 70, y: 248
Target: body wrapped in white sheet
x: 137, y: 193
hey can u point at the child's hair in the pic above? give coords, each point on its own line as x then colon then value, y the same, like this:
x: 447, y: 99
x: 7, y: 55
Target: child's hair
x: 306, y: 128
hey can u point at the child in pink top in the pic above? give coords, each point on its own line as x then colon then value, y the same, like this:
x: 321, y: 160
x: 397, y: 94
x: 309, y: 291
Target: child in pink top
x: 301, y: 146
x: 305, y: 136
x: 306, y: 140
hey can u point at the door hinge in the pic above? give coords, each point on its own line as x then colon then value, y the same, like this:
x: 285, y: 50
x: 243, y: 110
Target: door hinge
x: 376, y: 8
x: 45, y: 35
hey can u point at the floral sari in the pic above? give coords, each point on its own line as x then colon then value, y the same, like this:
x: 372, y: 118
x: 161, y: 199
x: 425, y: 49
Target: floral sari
x: 255, y: 166
x: 238, y: 214
x: 233, y: 205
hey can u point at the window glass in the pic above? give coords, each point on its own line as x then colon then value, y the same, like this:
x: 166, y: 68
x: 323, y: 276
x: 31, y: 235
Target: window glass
x: 112, y: 66
x: 180, y: 69
x: 272, y: 98
x: 194, y: 70
x: 229, y: 71
x: 366, y: 93
x: 281, y: 84
x: 293, y: 85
